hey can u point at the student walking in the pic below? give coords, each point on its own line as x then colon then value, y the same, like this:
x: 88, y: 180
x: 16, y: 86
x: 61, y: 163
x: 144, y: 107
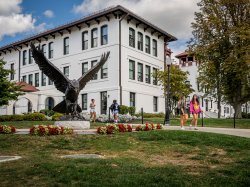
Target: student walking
x: 183, y: 112
x: 115, y: 109
x: 195, y: 109
x: 92, y: 110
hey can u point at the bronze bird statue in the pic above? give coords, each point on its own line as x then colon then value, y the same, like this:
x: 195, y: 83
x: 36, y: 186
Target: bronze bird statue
x: 71, y: 88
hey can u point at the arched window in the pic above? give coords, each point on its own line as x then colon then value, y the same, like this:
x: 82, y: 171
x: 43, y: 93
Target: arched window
x: 29, y: 107
x: 131, y: 37
x: 94, y: 37
x: 104, y: 35
x: 49, y: 103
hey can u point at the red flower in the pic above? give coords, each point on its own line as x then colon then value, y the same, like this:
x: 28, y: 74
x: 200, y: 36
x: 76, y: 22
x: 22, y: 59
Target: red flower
x: 121, y: 127
x: 1, y: 129
x: 138, y: 128
x: 13, y: 129
x: 129, y: 128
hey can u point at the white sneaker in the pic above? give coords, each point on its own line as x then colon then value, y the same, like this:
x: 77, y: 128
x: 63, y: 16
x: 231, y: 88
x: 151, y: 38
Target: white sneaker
x: 190, y: 126
x: 182, y: 128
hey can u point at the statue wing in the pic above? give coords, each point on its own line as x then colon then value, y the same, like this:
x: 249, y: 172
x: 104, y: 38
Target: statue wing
x: 60, y: 80
x: 89, y: 75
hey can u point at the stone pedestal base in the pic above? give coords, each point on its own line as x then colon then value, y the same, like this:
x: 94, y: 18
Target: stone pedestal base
x: 77, y: 125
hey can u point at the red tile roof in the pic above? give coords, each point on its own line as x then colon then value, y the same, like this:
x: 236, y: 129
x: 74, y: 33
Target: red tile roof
x: 182, y: 54
x: 27, y: 87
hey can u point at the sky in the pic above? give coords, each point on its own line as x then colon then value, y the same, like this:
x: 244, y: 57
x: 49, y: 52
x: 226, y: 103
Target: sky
x: 22, y: 18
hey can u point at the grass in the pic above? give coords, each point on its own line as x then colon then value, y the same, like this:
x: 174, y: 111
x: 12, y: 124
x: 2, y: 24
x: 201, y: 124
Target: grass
x: 208, y: 122
x: 156, y: 158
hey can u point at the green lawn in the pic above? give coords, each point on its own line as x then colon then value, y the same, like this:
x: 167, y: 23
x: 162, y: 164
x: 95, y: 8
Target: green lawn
x: 225, y: 123
x: 156, y: 158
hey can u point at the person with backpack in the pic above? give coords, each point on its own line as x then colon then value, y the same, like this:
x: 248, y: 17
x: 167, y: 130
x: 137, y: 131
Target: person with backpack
x: 115, y: 109
x: 181, y: 107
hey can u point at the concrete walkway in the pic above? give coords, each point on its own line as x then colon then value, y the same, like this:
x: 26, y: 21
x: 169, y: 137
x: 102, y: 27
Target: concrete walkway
x: 228, y: 131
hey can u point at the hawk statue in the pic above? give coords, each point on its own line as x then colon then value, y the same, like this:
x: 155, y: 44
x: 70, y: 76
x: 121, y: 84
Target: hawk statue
x: 71, y: 88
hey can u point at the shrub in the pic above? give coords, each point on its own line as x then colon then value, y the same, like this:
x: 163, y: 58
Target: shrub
x: 56, y: 116
x: 4, y: 129
x: 131, y: 110
x: 43, y: 130
x: 35, y: 117
x: 47, y: 112
x: 151, y: 115
x: 11, y: 118
x: 124, y: 109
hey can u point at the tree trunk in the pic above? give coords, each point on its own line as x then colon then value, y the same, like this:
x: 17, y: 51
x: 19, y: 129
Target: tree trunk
x: 219, y: 98
x: 237, y: 110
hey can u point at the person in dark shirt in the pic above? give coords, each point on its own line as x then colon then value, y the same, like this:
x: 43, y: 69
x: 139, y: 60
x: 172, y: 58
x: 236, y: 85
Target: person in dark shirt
x: 115, y: 109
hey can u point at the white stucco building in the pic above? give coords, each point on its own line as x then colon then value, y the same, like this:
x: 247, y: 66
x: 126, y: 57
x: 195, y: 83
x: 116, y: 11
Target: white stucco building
x: 208, y: 104
x: 136, y: 51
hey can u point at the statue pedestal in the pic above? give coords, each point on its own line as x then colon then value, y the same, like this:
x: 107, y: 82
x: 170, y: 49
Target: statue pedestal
x: 76, y: 125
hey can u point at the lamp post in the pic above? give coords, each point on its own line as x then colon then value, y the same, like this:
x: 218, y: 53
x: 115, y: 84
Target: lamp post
x: 167, y: 87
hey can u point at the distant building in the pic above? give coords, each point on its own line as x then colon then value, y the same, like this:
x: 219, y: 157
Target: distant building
x: 208, y: 104
x: 136, y: 51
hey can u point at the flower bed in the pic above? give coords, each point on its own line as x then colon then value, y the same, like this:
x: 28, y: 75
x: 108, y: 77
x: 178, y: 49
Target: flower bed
x: 113, y: 128
x: 4, y: 129
x: 148, y: 127
x: 43, y: 130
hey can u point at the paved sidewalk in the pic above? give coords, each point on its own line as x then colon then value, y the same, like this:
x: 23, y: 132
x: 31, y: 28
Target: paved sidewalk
x: 229, y: 131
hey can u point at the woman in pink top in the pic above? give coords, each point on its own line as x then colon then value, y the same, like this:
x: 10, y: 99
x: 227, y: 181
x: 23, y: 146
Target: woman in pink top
x: 195, y: 109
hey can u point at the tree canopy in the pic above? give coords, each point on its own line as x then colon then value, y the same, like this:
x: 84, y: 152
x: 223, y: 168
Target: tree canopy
x: 178, y: 85
x: 221, y: 42
x: 8, y: 90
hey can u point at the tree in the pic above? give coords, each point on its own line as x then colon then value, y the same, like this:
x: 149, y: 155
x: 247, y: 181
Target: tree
x: 221, y: 43
x: 8, y: 90
x: 178, y: 86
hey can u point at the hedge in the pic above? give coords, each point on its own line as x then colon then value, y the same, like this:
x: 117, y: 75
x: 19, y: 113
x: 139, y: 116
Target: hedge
x: 25, y: 117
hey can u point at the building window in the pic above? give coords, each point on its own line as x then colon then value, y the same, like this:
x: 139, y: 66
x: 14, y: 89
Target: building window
x: 30, y: 57
x: 94, y: 37
x: 49, y: 103
x: 147, y: 44
x: 51, y: 50
x: 131, y: 37
x: 85, y: 101
x: 24, y: 79
x: 12, y: 73
x: 84, y: 67
x: 132, y: 99
x: 36, y: 79
x: 50, y: 82
x: 211, y: 103
x: 93, y: 63
x: 31, y: 79
x: 24, y: 57
x: 66, y: 71
x: 140, y: 41
x: 155, y: 81
x: 147, y: 74
x: 66, y: 46
x: 84, y: 40
x: 140, y: 72
x: 202, y: 102
x: 104, y: 71
x: 43, y: 79
x: 44, y: 49
x: 104, y: 35
x: 103, y: 102
x: 154, y: 47
x: 131, y: 69
x: 155, y: 104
